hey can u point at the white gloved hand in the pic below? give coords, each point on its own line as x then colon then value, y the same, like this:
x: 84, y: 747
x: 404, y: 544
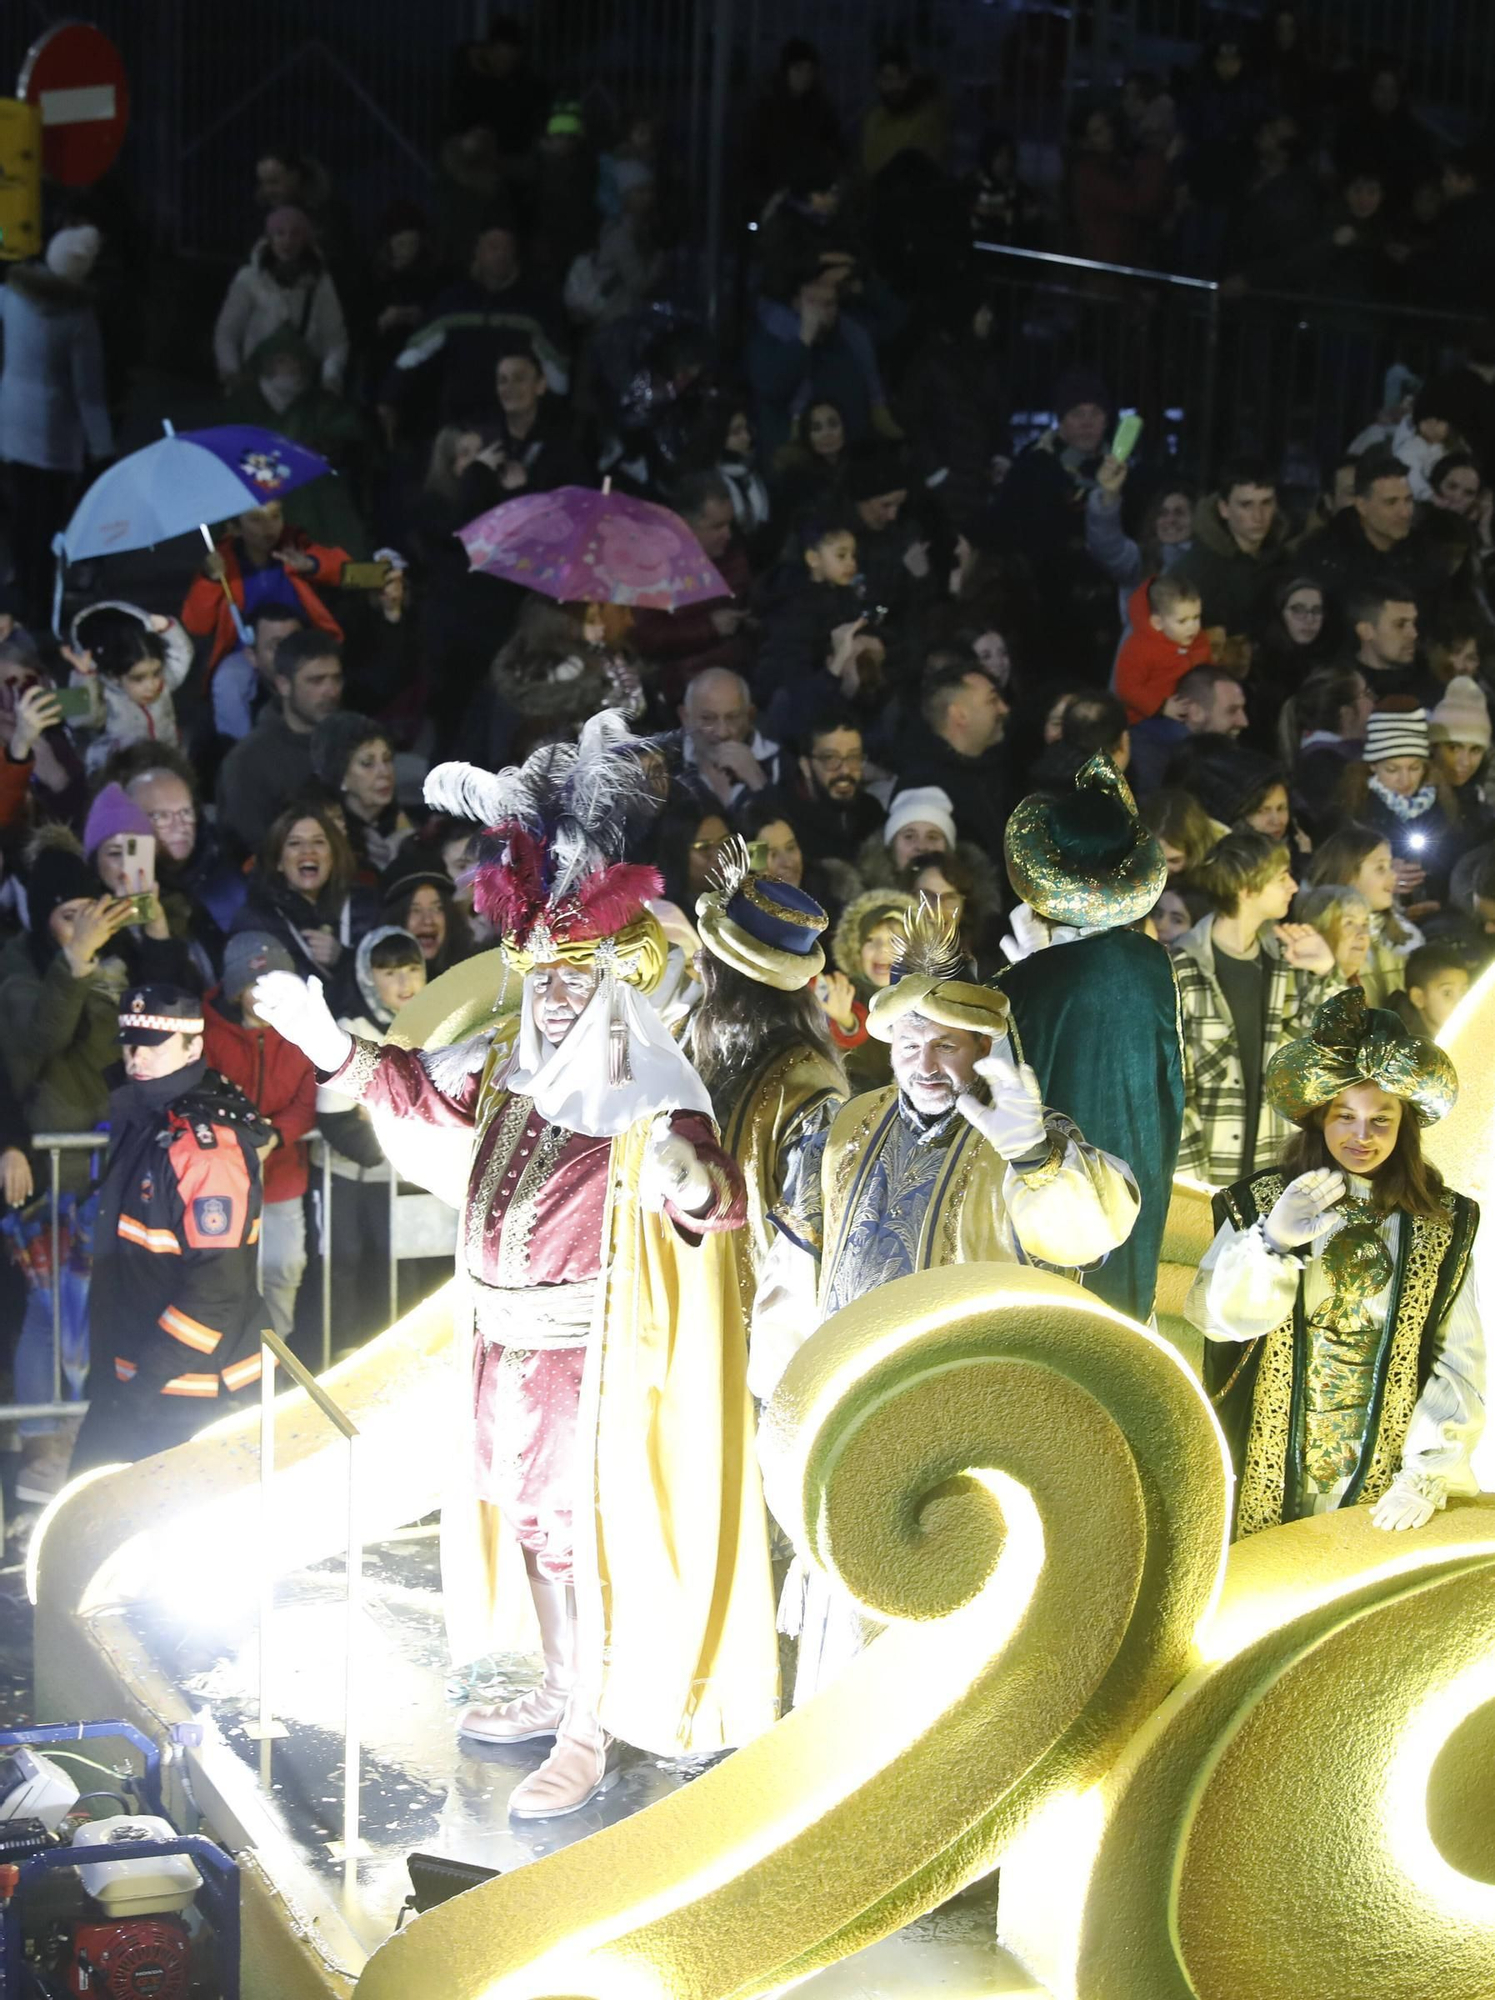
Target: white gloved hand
x: 1013, y: 1122
x: 297, y: 1009
x: 1410, y: 1501
x: 672, y: 1172
x: 1030, y: 933
x: 1302, y: 1210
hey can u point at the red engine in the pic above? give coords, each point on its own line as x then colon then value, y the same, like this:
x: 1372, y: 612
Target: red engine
x: 131, y: 1958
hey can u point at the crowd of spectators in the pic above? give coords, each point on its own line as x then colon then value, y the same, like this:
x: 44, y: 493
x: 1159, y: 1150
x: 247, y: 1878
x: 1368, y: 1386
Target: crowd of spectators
x: 920, y: 623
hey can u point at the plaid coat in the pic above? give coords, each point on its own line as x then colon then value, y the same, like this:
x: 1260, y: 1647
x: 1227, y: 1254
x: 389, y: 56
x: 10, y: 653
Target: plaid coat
x: 1212, y: 1147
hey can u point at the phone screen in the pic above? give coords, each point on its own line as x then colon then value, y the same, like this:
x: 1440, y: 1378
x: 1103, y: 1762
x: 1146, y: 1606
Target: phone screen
x: 140, y: 862
x: 1125, y: 441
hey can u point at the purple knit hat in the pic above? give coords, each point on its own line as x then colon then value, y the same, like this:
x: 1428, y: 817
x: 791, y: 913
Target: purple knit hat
x: 112, y: 812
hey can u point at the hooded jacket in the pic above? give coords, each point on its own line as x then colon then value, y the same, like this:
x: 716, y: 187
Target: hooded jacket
x: 1150, y: 665
x: 53, y: 409
x: 277, y: 1080
x: 128, y: 721
x: 356, y: 1154
x: 259, y: 301
x: 1232, y: 585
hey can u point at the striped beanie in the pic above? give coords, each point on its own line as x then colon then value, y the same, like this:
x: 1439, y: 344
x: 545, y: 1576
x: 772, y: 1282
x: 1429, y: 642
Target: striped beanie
x: 1396, y: 733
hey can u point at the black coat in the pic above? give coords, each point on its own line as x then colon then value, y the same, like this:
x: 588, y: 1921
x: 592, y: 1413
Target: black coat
x: 175, y: 1306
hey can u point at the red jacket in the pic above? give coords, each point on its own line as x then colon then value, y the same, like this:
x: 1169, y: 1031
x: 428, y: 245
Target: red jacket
x: 278, y: 1081
x: 15, y: 787
x: 1149, y: 666
x: 205, y: 610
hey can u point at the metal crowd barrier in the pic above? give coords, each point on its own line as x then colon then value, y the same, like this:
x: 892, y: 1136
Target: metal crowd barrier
x: 55, y: 1144
x: 274, y: 1353
x: 1285, y: 376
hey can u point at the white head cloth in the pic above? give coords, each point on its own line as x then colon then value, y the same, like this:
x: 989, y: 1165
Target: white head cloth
x: 569, y: 1081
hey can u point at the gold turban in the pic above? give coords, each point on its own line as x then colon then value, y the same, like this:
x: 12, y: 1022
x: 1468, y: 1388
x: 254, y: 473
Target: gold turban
x: 637, y: 953
x: 1351, y: 1043
x: 926, y: 981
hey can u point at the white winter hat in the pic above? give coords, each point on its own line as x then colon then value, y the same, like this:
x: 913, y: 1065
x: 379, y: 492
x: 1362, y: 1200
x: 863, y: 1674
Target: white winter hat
x: 926, y: 804
x: 72, y: 253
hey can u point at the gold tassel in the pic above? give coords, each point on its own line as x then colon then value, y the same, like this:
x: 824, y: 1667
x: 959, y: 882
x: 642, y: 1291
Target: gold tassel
x: 619, y: 1069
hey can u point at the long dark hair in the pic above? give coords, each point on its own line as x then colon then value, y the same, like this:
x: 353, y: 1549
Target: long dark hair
x: 739, y: 1022
x: 344, y: 867
x: 458, y: 942
x: 1405, y: 1180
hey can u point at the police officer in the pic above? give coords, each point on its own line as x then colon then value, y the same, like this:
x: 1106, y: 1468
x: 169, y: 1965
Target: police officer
x: 176, y: 1307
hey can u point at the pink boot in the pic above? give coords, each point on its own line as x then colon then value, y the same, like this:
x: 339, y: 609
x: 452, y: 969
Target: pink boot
x: 539, y: 1711
x: 578, y: 1769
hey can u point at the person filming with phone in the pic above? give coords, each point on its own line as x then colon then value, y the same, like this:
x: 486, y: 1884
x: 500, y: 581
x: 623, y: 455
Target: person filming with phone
x: 119, y: 843
x: 39, y: 765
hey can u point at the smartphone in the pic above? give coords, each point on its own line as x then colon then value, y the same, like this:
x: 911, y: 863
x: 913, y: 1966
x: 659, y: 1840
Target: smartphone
x: 365, y: 575
x: 1125, y: 441
x: 140, y: 863
x: 141, y: 905
x: 74, y: 704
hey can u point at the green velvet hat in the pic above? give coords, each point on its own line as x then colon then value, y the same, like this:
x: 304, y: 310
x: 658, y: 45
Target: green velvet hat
x: 1084, y: 857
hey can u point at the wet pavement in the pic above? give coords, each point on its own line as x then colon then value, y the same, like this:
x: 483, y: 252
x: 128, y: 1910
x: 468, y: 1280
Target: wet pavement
x: 425, y: 1790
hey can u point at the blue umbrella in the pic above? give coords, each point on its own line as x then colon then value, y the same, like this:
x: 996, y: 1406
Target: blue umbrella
x: 183, y: 481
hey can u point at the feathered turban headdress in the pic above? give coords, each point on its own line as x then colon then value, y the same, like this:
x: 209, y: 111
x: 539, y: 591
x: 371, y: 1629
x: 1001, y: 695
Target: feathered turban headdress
x: 549, y: 873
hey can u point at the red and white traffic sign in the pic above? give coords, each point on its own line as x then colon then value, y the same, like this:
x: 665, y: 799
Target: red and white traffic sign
x: 76, y: 78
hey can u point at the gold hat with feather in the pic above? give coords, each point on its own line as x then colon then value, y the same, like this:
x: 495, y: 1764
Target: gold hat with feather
x: 927, y: 979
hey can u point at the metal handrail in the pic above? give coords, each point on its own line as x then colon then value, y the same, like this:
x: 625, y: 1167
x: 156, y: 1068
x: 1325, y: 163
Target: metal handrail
x: 1213, y: 286
x: 58, y: 1143
x: 302, y: 1376
x: 1091, y: 264
x: 267, y: 1728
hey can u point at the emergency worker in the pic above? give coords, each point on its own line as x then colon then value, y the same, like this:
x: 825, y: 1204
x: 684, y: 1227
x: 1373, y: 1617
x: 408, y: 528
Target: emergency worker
x: 177, y: 1311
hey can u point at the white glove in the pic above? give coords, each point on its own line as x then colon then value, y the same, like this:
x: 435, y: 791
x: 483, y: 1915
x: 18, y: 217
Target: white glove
x: 297, y: 1009
x: 1410, y: 1501
x: 1301, y: 1211
x: 1030, y: 933
x: 672, y: 1172
x: 1013, y: 1122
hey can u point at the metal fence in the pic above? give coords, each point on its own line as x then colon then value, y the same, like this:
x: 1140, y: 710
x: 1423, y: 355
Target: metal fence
x: 56, y: 1144
x: 1286, y: 378
x: 277, y: 1360
x: 366, y: 89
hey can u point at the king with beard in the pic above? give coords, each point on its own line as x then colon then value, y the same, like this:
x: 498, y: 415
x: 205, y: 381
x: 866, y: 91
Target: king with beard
x: 611, y: 1432
x: 956, y: 1162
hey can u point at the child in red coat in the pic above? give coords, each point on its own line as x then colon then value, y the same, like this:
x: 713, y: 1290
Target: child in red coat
x: 1164, y: 642
x: 282, y: 1086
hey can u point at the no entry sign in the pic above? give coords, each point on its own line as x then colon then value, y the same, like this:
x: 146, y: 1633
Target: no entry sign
x: 75, y: 76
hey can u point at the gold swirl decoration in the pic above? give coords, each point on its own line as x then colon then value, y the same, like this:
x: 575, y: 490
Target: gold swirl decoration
x: 1029, y: 1493
x: 1308, y: 1812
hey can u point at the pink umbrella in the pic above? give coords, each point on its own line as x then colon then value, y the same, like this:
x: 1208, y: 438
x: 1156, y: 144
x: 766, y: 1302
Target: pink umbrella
x: 585, y: 547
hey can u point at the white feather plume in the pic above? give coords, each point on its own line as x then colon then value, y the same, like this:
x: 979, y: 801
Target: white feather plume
x: 586, y: 799
x: 488, y: 797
